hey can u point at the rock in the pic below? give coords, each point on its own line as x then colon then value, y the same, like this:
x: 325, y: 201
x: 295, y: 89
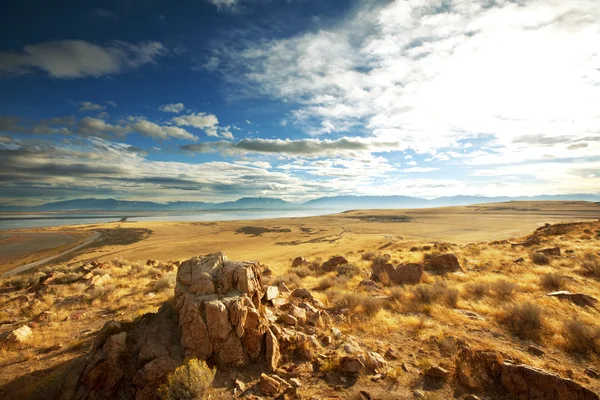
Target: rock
x: 470, y: 314
x: 471, y: 397
x: 418, y: 394
x: 299, y: 262
x: 334, y: 262
x: 295, y: 382
x: 17, y: 336
x: 491, y: 370
x: 337, y: 334
x: 391, y: 354
x: 369, y: 285
x: 351, y: 365
x: 443, y: 264
x: 272, y: 353
x: 437, y: 372
x: 271, y: 292
x: 279, y: 302
x: 592, y: 373
x: 288, y: 319
x: 580, y: 299
x: 536, y: 351
x: 269, y: 386
x: 302, y: 294
x: 98, y: 280
x: 409, y: 273
x: 519, y: 260
x: 374, y: 361
x: 553, y: 251
x: 151, y: 263
x: 239, y: 386
x: 400, y: 275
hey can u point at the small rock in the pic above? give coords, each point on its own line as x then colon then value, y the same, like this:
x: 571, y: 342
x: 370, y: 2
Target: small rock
x: 351, y: 364
x: 288, y: 319
x: 334, y: 262
x: 271, y: 292
x: 268, y: 385
x: 517, y: 261
x: 437, y: 372
x: 16, y: 336
x: 553, y: 251
x: 418, y: 394
x: 337, y: 334
x: 240, y: 386
x: 374, y: 361
x: 580, y: 299
x: 471, y: 397
x: 536, y: 351
x: 299, y: 262
x: 295, y: 382
x: 391, y: 354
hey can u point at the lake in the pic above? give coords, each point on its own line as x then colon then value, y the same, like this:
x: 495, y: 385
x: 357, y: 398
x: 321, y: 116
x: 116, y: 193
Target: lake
x: 28, y: 221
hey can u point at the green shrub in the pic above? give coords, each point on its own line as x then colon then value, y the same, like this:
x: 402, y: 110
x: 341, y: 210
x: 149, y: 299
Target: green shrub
x: 190, y: 381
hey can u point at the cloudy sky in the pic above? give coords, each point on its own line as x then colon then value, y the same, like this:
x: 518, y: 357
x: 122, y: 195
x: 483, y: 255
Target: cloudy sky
x: 214, y: 100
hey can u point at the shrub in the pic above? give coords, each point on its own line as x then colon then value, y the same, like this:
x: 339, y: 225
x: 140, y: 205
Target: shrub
x: 164, y: 283
x: 504, y: 288
x: 190, y: 381
x: 540, y: 259
x: 302, y: 272
x: 476, y: 290
x: 591, y: 266
x: 582, y: 337
x: 436, y: 293
x: 368, y: 256
x: 331, y: 281
x: 552, y: 281
x: 348, y: 270
x: 353, y: 301
x: 525, y: 320
x: 380, y: 260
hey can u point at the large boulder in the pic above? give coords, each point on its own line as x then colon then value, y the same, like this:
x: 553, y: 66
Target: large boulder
x: 443, y: 264
x: 402, y: 274
x: 492, y: 371
x: 17, y: 336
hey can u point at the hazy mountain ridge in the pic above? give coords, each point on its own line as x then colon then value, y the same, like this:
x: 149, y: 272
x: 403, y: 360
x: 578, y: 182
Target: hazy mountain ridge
x: 260, y: 203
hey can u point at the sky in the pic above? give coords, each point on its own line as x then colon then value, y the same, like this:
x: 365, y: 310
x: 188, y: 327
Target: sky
x: 214, y: 100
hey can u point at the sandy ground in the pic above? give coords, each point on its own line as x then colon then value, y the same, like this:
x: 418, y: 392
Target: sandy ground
x: 275, y: 241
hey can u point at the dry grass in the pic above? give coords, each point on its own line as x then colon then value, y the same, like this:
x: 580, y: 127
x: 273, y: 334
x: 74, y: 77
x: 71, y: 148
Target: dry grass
x: 541, y: 259
x: 582, y: 337
x: 552, y: 281
x: 524, y: 320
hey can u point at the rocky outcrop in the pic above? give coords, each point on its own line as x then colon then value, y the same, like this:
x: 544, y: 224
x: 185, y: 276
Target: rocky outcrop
x: 443, y: 264
x: 492, y: 371
x: 552, y: 251
x: 402, y: 274
x: 334, y: 262
x: 220, y: 314
x: 17, y: 336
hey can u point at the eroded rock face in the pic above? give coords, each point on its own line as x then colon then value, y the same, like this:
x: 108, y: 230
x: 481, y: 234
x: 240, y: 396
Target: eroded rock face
x: 443, y: 264
x: 490, y: 370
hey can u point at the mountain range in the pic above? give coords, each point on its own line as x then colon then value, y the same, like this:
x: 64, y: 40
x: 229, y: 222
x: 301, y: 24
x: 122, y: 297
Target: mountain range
x: 339, y: 203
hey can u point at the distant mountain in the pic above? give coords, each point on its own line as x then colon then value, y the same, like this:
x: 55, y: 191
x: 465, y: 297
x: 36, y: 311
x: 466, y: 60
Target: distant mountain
x: 336, y: 203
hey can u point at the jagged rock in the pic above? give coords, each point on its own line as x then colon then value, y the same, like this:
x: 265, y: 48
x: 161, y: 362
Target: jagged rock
x: 334, y: 262
x: 288, y: 319
x: 580, y: 299
x: 299, y: 262
x: 351, y: 365
x: 16, y: 336
x: 443, y: 264
x: 553, y: 251
x: 374, y: 361
x: 44, y: 316
x: 268, y: 385
x: 271, y: 292
x: 491, y: 370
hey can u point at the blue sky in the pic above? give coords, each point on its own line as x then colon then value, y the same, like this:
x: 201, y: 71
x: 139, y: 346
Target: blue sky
x: 213, y: 100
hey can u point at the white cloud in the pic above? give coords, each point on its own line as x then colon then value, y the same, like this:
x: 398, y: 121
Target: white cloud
x: 428, y: 74
x: 89, y: 106
x: 411, y: 163
x: 207, y: 122
x: 419, y: 169
x: 153, y: 130
x: 172, y: 108
x: 225, y: 5
x: 70, y: 59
